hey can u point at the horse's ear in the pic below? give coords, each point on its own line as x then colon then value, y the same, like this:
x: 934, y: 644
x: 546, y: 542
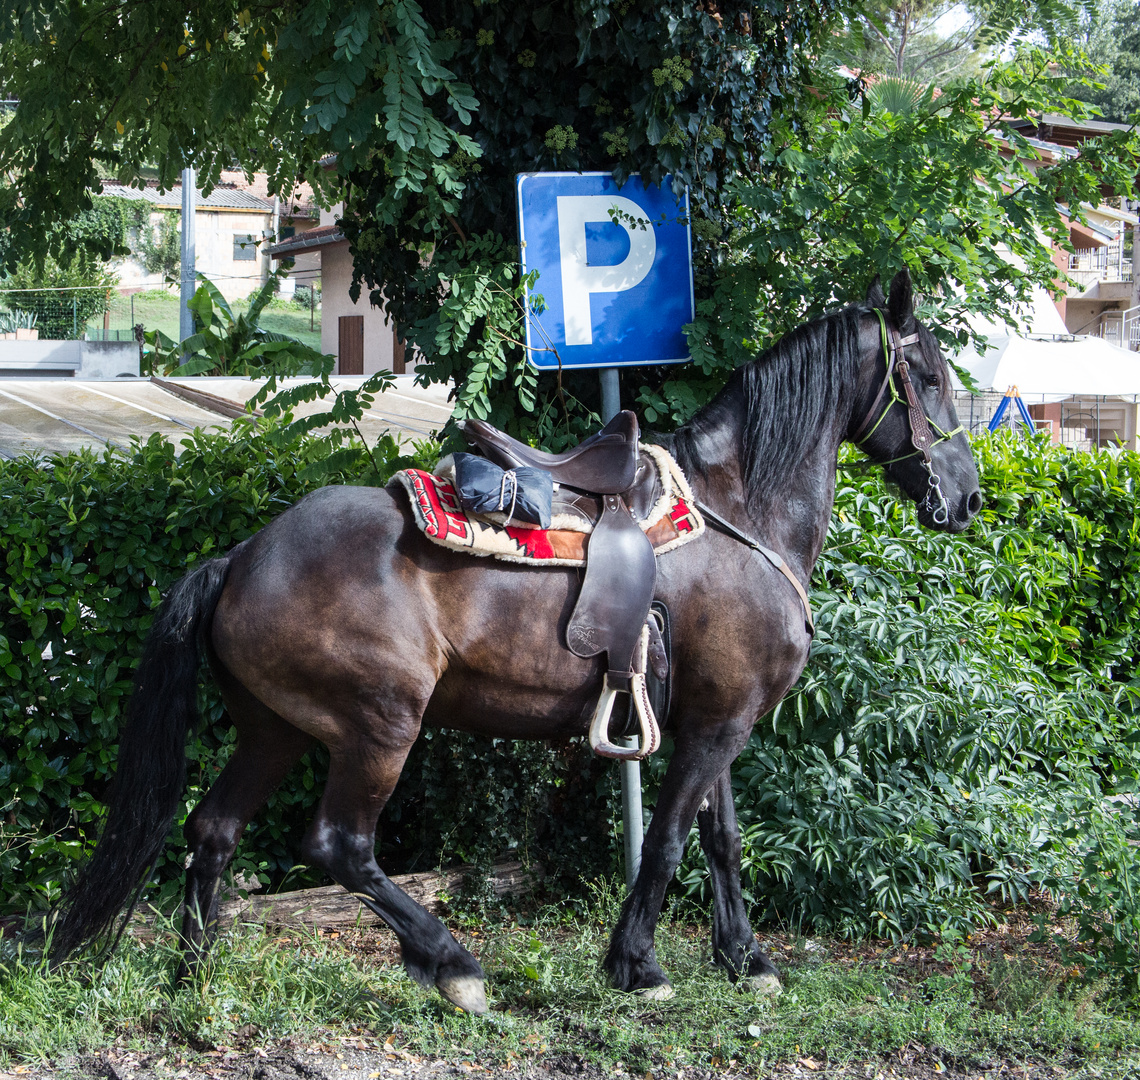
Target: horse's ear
x: 901, y: 303
x: 875, y: 295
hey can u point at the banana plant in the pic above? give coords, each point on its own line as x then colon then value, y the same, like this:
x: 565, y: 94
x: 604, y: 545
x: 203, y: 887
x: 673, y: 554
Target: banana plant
x: 228, y: 344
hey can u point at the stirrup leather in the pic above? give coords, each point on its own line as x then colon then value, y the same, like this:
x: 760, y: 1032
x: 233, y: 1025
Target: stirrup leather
x: 633, y: 683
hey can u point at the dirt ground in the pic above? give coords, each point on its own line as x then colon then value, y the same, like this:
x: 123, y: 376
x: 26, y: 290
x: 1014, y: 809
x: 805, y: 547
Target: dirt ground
x: 352, y: 1059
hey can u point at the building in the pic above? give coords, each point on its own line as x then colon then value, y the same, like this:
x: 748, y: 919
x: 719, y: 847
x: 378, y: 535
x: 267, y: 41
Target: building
x: 231, y: 228
x: 359, y: 335
x: 1102, y: 297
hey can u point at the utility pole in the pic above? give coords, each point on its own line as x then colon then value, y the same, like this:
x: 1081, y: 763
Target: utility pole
x: 633, y: 825
x: 189, y: 259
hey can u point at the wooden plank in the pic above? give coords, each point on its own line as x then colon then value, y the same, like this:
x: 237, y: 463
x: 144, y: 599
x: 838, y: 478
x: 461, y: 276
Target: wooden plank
x: 204, y: 399
x: 333, y: 906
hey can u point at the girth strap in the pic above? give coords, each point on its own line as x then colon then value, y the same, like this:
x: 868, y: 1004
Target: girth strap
x: 729, y: 529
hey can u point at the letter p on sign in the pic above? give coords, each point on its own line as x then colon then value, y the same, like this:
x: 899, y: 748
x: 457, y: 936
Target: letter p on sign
x: 615, y: 283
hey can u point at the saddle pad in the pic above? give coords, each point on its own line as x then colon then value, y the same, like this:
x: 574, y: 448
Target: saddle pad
x: 673, y: 520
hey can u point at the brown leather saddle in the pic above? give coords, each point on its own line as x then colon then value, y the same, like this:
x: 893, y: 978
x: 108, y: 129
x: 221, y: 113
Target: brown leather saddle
x: 621, y: 569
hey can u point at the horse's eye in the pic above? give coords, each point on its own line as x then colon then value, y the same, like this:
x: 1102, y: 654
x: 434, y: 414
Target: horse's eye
x: 932, y: 381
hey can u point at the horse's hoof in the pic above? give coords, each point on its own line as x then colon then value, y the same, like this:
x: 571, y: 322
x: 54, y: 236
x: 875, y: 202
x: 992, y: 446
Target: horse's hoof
x: 466, y: 992
x: 764, y: 985
x: 662, y: 992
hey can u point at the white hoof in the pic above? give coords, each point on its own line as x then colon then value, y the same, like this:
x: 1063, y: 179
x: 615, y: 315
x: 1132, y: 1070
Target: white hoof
x: 764, y: 985
x: 656, y: 993
x: 466, y: 992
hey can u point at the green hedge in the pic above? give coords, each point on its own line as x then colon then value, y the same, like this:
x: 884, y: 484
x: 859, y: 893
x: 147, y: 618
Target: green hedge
x: 969, y: 703
x: 89, y: 543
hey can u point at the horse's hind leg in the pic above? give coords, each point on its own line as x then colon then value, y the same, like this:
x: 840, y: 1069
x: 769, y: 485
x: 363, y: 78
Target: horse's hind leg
x: 341, y: 841
x: 268, y: 747
x: 734, y: 945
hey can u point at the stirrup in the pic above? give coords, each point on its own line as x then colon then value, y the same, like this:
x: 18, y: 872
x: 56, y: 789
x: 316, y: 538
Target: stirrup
x: 635, y: 686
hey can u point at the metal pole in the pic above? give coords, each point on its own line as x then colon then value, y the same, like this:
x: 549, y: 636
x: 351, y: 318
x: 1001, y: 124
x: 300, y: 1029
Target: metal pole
x: 189, y: 258
x: 633, y: 826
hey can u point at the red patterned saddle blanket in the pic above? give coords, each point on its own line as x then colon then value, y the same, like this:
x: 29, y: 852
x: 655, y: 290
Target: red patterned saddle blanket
x: 671, y: 521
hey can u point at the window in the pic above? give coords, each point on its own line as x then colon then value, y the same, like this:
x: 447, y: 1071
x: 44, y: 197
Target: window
x: 245, y: 247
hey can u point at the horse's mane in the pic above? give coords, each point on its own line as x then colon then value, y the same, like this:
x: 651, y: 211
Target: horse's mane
x: 788, y: 395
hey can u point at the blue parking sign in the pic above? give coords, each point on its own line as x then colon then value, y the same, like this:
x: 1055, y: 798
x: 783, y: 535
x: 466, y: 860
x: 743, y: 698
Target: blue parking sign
x: 615, y: 270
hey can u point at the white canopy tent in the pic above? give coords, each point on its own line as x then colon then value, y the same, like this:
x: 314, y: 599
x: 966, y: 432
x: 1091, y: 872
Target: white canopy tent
x: 1046, y: 363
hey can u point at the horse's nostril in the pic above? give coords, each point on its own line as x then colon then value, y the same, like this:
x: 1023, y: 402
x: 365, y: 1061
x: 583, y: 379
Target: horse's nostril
x: 974, y: 503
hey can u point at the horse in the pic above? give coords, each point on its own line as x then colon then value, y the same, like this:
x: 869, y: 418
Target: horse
x: 340, y: 623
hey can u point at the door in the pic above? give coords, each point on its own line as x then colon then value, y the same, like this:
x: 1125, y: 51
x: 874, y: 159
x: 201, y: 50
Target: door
x: 350, y: 349
x: 399, y: 364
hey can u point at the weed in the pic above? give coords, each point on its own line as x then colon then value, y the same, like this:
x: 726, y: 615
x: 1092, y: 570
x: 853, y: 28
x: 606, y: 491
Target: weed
x: 547, y: 990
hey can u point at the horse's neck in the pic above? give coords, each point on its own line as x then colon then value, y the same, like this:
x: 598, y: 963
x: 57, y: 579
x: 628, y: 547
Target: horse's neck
x: 792, y: 520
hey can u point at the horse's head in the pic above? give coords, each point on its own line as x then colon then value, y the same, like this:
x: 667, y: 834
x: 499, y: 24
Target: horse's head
x: 904, y: 417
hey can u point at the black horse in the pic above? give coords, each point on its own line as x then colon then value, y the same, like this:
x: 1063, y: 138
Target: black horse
x: 340, y: 623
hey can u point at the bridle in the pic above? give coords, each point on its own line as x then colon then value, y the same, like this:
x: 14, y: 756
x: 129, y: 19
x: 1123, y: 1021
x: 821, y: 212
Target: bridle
x: 921, y: 436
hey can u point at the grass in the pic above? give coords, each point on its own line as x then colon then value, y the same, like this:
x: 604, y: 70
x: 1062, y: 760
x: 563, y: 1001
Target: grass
x: 157, y: 309
x: 549, y: 998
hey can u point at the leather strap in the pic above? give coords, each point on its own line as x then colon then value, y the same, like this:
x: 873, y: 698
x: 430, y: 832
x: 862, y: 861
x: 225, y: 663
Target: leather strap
x: 921, y: 437
x: 893, y: 354
x: 729, y: 529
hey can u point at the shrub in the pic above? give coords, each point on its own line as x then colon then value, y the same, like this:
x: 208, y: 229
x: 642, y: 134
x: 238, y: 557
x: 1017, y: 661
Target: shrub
x: 89, y: 543
x: 967, y: 711
x: 966, y: 697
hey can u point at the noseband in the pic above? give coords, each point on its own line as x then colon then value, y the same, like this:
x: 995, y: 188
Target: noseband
x: 921, y: 437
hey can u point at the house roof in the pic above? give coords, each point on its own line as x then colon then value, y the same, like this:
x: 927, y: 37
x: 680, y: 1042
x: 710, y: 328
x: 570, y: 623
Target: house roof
x: 304, y: 241
x: 299, y: 203
x: 218, y: 199
x: 1084, y: 237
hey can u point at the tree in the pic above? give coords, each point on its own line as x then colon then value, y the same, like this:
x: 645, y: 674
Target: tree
x: 429, y: 111
x: 1110, y: 36
x: 938, y: 181
x: 227, y: 344
x: 936, y: 40
x: 432, y: 111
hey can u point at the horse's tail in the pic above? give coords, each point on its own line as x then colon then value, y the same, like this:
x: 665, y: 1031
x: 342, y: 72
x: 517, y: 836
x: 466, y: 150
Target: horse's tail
x: 151, y: 770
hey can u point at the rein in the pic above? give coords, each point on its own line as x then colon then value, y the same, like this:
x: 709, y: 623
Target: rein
x: 726, y: 527
x: 921, y: 437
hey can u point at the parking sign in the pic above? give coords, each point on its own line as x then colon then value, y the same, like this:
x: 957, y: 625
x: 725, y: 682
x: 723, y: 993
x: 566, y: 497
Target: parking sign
x: 615, y: 270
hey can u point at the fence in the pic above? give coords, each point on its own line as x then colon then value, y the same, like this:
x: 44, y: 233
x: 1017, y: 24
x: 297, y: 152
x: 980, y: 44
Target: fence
x: 1079, y: 423
x: 96, y: 313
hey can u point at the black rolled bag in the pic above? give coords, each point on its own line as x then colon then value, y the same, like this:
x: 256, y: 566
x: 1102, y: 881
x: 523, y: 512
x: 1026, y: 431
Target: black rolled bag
x: 523, y: 494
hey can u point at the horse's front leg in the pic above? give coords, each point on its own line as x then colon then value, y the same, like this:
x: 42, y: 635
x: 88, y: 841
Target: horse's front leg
x: 631, y: 960
x: 734, y: 945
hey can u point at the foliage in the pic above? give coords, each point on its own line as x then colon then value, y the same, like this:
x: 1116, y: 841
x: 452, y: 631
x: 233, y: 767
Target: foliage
x: 64, y: 295
x: 228, y: 344
x: 1101, y: 895
x: 159, y: 247
x: 936, y: 40
x: 968, y: 704
x: 429, y: 112
x: 899, y: 175
x: 668, y: 89
x: 1110, y: 36
x: 105, y: 228
x: 967, y: 708
x: 17, y: 320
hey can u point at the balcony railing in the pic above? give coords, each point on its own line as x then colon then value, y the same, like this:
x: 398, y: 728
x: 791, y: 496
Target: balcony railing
x: 1120, y: 327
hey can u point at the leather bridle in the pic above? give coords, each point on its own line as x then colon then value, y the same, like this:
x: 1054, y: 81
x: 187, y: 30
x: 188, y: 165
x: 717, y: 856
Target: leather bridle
x: 921, y: 436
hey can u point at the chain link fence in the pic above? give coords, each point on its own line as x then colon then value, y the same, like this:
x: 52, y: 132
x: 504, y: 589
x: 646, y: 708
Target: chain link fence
x: 96, y: 313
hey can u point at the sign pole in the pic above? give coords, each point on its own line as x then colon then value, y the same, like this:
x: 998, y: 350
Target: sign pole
x: 633, y: 826
x: 188, y: 280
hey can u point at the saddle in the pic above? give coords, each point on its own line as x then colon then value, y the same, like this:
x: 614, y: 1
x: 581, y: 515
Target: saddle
x: 612, y: 612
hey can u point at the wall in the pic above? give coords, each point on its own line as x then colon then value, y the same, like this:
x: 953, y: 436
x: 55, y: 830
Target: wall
x: 214, y: 231
x: 336, y: 277
x: 84, y: 359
